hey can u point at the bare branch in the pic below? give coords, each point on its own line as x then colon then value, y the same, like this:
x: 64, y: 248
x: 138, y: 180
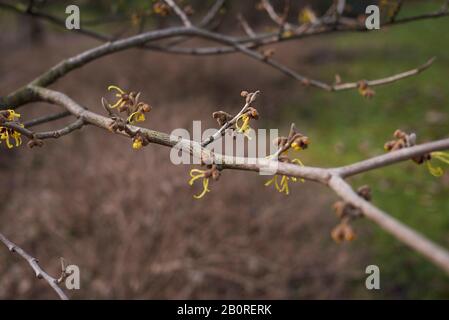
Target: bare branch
x: 387, y: 80
x: 280, y: 21
x: 245, y: 26
x: 212, y: 13
x: 332, y: 177
x: 232, y: 44
x: 179, y: 12
x: 428, y: 249
x: 33, y: 262
x: 391, y: 158
x: 45, y: 119
x: 55, y: 134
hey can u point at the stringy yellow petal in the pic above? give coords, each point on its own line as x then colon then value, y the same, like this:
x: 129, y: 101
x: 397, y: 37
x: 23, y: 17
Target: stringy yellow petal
x: 244, y: 127
x: 112, y: 87
x: 136, y: 117
x: 276, y: 184
x: 284, y: 185
x: 435, y: 171
x: 269, y: 182
x: 8, y: 143
x: 119, y: 103
x: 205, y: 189
x: 307, y: 16
x: 299, y: 162
x: 442, y: 156
x: 195, y: 174
x: 17, y: 138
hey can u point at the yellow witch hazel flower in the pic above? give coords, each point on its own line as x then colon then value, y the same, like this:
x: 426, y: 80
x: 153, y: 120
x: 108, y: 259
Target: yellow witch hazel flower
x: 123, y: 97
x: 242, y: 122
x: 128, y: 102
x: 139, y: 140
x: 405, y: 140
x: 205, y: 175
x: 441, y: 156
x: 137, y: 143
x: 242, y: 125
x: 7, y: 133
x: 137, y: 116
x: 307, y: 15
x: 297, y: 142
x: 283, y: 186
x: 196, y: 174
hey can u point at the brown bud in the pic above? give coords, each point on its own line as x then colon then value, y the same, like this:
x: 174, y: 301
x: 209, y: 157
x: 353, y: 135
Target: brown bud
x: 189, y: 10
x: 389, y: 145
x: 302, y: 141
x: 362, y: 85
x: 161, y: 8
x: 268, y: 53
x: 221, y: 117
x: 253, y: 113
x: 343, y: 232
x: 364, y: 192
x: 399, y: 134
x: 145, y: 107
x: 35, y: 143
x: 305, y: 82
x: 422, y: 158
x: 338, y: 234
x: 349, y: 233
x: 339, y: 208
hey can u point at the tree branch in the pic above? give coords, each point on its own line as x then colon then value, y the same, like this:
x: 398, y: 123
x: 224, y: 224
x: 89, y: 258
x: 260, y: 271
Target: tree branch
x: 438, y: 255
x: 243, y: 45
x: 179, y: 12
x: 34, y: 263
x: 333, y: 177
x: 45, y: 119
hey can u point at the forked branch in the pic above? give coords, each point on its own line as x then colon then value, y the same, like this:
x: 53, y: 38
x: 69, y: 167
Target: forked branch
x: 34, y: 264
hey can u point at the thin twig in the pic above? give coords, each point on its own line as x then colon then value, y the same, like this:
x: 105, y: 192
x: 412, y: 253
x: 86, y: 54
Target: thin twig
x: 34, y: 263
x: 54, y: 134
x: 232, y: 44
x: 280, y: 21
x: 230, y: 123
x: 45, y: 119
x: 212, y: 13
x: 179, y: 12
x: 245, y: 26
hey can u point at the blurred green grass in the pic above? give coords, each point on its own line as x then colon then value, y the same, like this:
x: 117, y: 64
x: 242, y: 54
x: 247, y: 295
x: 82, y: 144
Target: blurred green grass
x: 345, y: 127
